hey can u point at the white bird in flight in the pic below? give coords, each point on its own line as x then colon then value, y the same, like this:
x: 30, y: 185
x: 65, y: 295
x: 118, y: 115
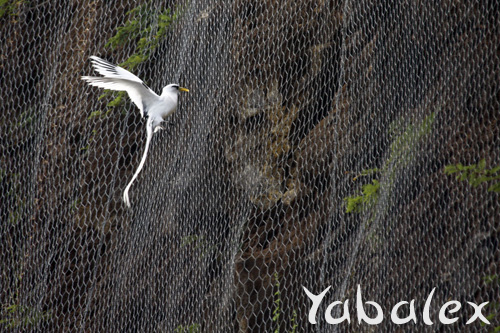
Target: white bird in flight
x: 155, y: 108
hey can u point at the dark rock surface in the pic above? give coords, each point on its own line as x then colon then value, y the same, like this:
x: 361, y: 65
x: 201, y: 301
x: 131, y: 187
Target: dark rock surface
x: 242, y: 202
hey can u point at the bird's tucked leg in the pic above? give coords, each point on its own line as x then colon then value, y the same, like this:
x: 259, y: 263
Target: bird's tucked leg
x: 164, y: 123
x: 159, y: 128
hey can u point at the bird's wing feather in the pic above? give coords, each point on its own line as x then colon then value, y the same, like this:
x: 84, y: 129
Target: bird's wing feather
x: 117, y: 78
x: 149, y: 130
x: 108, y: 69
x: 140, y: 95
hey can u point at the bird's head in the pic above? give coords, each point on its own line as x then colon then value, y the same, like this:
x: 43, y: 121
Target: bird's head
x: 173, y: 89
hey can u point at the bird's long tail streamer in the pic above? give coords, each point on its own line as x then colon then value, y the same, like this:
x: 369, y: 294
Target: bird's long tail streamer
x: 149, y: 130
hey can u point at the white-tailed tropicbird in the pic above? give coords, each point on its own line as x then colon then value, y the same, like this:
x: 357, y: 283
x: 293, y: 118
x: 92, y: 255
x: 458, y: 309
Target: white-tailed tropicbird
x: 155, y: 108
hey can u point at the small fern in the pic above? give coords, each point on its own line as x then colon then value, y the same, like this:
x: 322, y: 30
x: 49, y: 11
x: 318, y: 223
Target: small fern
x: 277, y: 304
x: 404, y: 141
x: 368, y: 196
x: 476, y: 174
x: 193, y: 328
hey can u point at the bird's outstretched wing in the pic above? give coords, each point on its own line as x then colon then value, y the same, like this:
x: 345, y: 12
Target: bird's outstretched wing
x: 149, y: 131
x: 117, y: 78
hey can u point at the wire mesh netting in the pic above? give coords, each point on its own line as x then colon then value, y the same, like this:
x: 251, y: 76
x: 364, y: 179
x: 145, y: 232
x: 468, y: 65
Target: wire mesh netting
x: 322, y: 144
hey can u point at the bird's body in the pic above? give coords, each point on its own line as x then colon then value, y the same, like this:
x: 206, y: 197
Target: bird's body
x: 155, y: 108
x: 166, y: 105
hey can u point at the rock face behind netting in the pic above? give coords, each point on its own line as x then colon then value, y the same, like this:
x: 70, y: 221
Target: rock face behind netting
x: 294, y: 108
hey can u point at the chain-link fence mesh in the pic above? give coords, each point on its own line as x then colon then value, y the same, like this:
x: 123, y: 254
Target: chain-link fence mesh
x: 323, y: 143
